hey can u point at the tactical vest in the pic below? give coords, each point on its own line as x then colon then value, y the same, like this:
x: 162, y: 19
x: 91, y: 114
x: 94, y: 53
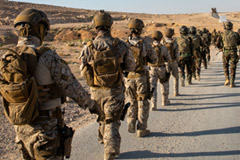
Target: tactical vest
x: 184, y: 46
x: 170, y: 48
x: 105, y: 70
x: 158, y: 51
x: 20, y: 91
x: 230, y: 39
x: 196, y: 41
x: 140, y: 61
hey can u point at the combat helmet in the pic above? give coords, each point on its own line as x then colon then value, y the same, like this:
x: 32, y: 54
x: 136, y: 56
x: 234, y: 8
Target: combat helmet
x: 205, y: 30
x: 192, y: 30
x: 169, y: 32
x: 228, y: 25
x: 32, y: 22
x: 32, y: 17
x: 157, y: 35
x: 183, y: 30
x: 136, y: 24
x: 102, y: 18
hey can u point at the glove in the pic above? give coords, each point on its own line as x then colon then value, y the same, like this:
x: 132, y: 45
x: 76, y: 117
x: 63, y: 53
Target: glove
x: 95, y: 109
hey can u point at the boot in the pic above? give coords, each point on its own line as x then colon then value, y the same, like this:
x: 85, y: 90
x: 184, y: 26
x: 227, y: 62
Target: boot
x: 226, y: 82
x: 232, y: 85
x: 143, y: 133
x: 198, y: 78
x: 131, y: 128
x: 109, y: 156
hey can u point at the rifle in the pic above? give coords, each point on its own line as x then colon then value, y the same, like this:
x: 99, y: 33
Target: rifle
x: 124, y: 112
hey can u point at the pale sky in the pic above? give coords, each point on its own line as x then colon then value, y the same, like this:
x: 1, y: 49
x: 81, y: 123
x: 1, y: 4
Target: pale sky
x: 148, y: 6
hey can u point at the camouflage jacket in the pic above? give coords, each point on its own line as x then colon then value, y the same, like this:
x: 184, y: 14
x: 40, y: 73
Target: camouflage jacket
x: 103, y: 41
x: 147, y: 49
x: 175, y: 53
x: 50, y: 63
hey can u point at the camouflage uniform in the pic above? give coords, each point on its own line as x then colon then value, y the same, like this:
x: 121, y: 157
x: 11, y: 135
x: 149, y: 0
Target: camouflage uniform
x: 158, y: 71
x: 41, y: 139
x: 196, y: 66
x: 206, y: 38
x: 137, y: 88
x: 110, y: 100
x: 173, y: 64
x: 185, y: 58
x: 229, y: 54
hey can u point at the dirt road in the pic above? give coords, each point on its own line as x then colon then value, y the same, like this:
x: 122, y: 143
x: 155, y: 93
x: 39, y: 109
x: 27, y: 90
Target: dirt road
x: 201, y: 124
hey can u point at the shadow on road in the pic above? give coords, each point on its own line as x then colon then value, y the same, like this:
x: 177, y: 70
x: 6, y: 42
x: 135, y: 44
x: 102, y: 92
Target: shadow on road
x: 148, y: 154
x: 194, y: 108
x: 209, y: 96
x: 230, y: 130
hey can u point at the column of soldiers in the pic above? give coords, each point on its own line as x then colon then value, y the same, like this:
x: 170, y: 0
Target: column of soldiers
x: 117, y: 71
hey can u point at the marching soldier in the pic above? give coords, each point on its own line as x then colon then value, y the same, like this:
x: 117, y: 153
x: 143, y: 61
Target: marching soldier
x: 137, y: 82
x: 172, y: 47
x: 103, y: 61
x: 159, y: 72
x: 228, y: 42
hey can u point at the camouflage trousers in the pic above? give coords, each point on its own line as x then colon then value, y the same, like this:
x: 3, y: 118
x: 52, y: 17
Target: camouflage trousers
x: 194, y: 68
x: 173, y: 68
x: 159, y: 73
x: 186, y: 63
x: 111, y: 101
x: 230, y: 57
x: 137, y: 94
x: 204, y: 59
x: 40, y: 140
x: 198, y: 62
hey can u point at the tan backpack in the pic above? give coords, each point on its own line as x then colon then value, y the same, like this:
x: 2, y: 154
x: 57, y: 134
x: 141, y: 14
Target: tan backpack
x: 137, y: 55
x: 18, y: 86
x: 105, y: 70
x: 170, y: 48
x: 230, y: 39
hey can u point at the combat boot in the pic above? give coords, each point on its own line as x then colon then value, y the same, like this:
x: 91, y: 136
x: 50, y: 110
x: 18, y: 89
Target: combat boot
x: 226, y: 82
x: 232, y: 85
x: 109, y: 156
x: 198, y: 78
x: 143, y: 133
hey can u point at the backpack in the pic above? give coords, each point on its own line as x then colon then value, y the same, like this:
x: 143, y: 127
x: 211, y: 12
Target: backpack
x: 158, y: 51
x: 184, y: 45
x: 170, y: 48
x: 206, y: 39
x: 105, y: 70
x: 230, y: 39
x: 137, y: 55
x: 18, y: 86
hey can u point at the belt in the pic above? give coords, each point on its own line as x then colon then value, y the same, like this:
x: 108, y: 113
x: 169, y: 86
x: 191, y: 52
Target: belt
x: 230, y: 48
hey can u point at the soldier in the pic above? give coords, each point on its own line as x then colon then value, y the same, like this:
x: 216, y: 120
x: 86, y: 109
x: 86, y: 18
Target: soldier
x: 214, y: 37
x: 172, y: 47
x: 43, y: 138
x: 228, y: 42
x: 159, y: 72
x: 103, y: 60
x: 206, y: 37
x: 185, y: 59
x: 197, y: 42
x: 137, y: 87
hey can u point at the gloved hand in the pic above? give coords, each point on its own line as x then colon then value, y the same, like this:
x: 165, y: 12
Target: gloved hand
x: 95, y: 109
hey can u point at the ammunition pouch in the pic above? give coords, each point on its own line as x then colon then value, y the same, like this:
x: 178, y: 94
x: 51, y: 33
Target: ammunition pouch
x: 113, y: 117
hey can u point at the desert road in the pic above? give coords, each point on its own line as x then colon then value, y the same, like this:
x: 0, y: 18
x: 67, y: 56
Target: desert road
x: 201, y: 124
